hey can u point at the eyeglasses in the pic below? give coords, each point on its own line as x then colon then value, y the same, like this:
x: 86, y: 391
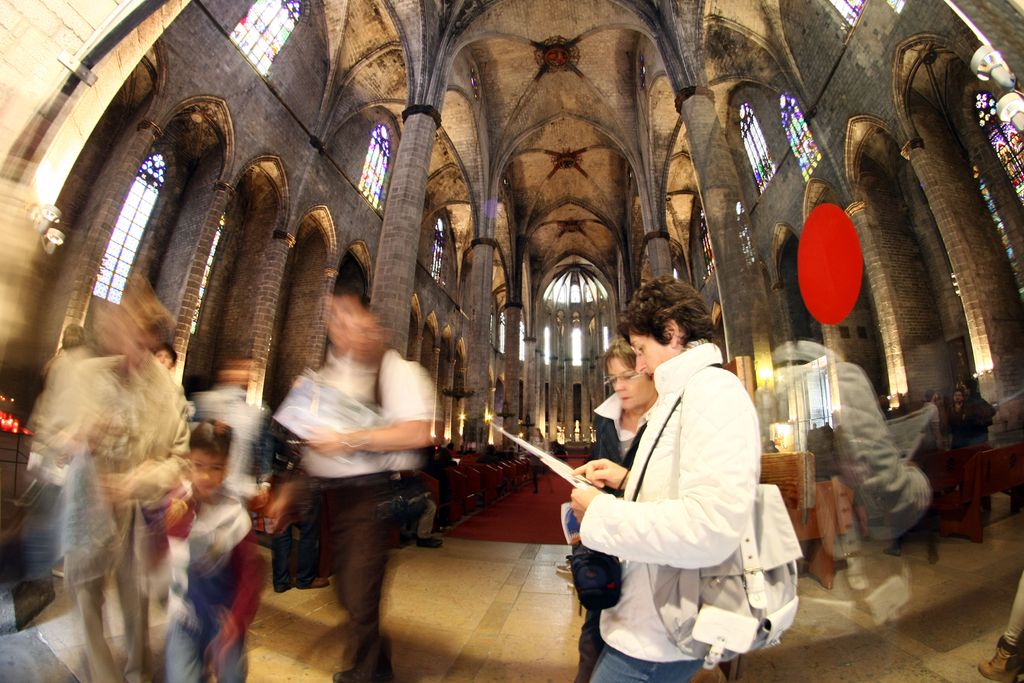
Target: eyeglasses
x: 612, y: 380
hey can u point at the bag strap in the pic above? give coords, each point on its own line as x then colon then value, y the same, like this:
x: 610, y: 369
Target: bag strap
x: 643, y: 470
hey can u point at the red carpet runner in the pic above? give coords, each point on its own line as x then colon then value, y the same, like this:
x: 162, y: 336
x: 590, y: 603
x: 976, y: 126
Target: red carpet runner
x: 522, y: 516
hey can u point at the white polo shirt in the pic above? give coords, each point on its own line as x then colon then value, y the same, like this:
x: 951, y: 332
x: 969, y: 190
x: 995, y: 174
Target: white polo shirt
x: 406, y: 395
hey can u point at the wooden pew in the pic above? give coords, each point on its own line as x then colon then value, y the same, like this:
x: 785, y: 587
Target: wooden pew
x: 820, y: 510
x: 474, y: 487
x: 969, y: 475
x: 457, y: 480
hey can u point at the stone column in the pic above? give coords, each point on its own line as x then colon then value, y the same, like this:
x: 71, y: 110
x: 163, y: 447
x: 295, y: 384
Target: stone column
x: 275, y: 260
x: 991, y: 304
x: 513, y: 314
x: 530, y: 387
x: 417, y: 346
x: 659, y: 254
x: 435, y: 372
x: 101, y: 225
x: 739, y: 286
x: 222, y: 194
x: 884, y: 295
x: 318, y: 340
x: 478, y: 348
x: 448, y: 426
x: 395, y: 272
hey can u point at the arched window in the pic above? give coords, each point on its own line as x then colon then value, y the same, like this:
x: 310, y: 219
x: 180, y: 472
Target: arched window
x: 437, y: 253
x: 577, y: 347
x: 547, y: 345
x: 206, y: 275
x: 501, y: 332
x: 986, y: 196
x: 897, y: 5
x: 746, y: 243
x: 375, y: 168
x: 522, y: 341
x: 1004, y: 138
x: 131, y: 223
x: 705, y: 243
x: 850, y: 9
x: 799, y: 135
x: 757, y: 149
x: 605, y: 338
x: 262, y: 32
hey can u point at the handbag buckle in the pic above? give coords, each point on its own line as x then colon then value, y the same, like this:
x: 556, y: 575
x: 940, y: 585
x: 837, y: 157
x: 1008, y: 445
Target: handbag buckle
x: 754, y: 582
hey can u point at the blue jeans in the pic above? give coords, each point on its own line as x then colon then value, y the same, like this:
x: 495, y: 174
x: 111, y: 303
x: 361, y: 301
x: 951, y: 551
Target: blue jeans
x: 308, y: 560
x: 185, y: 654
x: 616, y: 667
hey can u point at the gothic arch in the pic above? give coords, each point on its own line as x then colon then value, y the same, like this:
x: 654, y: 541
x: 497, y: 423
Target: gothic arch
x: 213, y: 111
x: 361, y: 254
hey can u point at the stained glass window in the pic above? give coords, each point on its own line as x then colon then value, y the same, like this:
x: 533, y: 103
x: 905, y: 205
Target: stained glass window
x: 757, y: 149
x: 206, y: 274
x: 375, y: 168
x: 522, y: 341
x: 501, y: 332
x: 643, y: 73
x: 547, y: 345
x: 746, y: 243
x: 605, y: 338
x: 990, y: 203
x: 850, y: 9
x: 437, y: 253
x: 705, y: 243
x: 799, y: 135
x: 897, y: 5
x: 1005, y: 140
x: 131, y: 223
x: 474, y: 84
x: 262, y: 32
x: 577, y: 347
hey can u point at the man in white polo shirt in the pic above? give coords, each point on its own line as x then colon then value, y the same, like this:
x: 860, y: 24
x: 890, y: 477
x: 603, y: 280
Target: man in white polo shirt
x: 355, y: 467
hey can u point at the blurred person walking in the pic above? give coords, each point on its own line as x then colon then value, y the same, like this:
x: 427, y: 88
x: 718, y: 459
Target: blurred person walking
x: 355, y: 467
x: 124, y: 435
x: 216, y: 571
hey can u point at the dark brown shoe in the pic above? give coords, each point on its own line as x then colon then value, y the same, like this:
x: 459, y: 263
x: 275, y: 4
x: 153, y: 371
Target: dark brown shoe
x: 318, y: 582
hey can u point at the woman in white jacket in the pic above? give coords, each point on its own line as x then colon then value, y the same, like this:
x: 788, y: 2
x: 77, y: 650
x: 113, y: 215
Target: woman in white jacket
x: 710, y: 445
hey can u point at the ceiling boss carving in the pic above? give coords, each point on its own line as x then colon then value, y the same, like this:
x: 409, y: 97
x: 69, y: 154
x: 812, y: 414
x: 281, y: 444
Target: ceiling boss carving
x: 557, y: 54
x: 566, y: 160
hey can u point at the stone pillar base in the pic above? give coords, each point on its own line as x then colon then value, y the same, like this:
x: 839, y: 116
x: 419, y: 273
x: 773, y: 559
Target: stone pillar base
x: 21, y: 602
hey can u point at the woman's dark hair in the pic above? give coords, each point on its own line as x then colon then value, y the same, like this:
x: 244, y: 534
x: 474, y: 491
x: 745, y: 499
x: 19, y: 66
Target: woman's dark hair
x: 663, y: 299
x: 165, y: 346
x: 212, y: 437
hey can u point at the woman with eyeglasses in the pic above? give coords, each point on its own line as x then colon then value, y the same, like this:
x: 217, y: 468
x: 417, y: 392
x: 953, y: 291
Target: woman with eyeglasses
x: 699, y: 461
x: 618, y: 424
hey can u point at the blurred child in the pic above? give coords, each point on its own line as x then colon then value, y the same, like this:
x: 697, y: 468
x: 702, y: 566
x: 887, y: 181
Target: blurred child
x: 216, y: 573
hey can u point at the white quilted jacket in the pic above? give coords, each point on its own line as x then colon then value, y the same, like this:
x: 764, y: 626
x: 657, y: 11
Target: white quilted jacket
x: 715, y: 429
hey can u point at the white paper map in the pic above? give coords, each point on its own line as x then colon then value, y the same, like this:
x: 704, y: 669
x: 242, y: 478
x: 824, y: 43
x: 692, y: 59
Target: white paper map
x: 557, y: 466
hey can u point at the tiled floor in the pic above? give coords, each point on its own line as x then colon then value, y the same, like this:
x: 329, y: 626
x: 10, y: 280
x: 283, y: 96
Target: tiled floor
x: 477, y: 611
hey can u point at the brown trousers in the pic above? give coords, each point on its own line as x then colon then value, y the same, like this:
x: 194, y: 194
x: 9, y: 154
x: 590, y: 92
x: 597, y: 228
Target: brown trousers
x: 359, y: 545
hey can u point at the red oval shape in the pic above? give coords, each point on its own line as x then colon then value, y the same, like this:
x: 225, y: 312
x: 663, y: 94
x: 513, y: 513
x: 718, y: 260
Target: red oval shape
x: 830, y: 265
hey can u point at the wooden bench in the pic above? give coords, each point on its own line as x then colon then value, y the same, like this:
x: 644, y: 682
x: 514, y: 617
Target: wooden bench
x: 457, y: 481
x: 963, y: 478
x: 819, y: 510
x: 474, y: 488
